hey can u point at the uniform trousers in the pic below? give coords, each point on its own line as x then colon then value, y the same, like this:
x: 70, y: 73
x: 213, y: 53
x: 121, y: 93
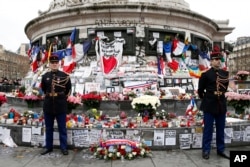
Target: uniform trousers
x: 209, y: 120
x: 49, y: 125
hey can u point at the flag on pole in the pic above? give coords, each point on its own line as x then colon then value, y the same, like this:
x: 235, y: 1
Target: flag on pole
x: 191, y: 108
x: 34, y: 55
x: 68, y: 62
x: 167, y: 48
x: 30, y: 49
x: 178, y: 47
x: 71, y: 42
x: 81, y: 50
x: 49, y: 52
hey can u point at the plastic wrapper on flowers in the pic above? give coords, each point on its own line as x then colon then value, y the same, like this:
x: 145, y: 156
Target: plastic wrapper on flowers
x: 73, y: 103
x: 120, y: 148
x: 238, y: 101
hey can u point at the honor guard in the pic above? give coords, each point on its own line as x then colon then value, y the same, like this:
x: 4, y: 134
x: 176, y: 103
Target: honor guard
x: 211, y: 89
x: 56, y: 86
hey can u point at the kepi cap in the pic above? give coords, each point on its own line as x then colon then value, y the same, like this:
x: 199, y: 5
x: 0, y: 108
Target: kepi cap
x: 53, y: 58
x: 216, y: 53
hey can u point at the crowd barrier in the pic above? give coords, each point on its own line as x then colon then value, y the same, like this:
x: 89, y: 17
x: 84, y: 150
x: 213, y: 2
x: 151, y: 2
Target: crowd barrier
x: 8, y: 88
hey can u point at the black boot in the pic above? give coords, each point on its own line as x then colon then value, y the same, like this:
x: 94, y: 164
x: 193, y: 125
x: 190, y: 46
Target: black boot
x: 46, y: 151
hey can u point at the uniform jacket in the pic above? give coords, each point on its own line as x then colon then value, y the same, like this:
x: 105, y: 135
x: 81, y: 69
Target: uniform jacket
x: 211, y: 89
x: 56, y: 87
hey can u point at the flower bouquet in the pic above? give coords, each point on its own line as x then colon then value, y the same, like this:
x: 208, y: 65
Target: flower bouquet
x: 242, y: 75
x: 119, y: 149
x: 31, y: 100
x: 3, y: 99
x: 92, y: 100
x: 146, y: 105
x: 238, y: 101
x: 73, y: 102
x: 162, y: 114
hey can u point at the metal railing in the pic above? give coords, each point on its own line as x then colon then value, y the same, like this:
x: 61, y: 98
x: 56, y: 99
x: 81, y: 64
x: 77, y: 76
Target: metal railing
x: 8, y: 88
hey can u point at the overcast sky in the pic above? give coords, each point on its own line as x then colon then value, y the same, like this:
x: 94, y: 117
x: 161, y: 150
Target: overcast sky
x: 15, y: 14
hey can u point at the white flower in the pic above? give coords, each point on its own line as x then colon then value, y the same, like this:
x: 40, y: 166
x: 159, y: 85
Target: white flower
x: 146, y: 100
x: 134, y: 153
x: 130, y: 155
x: 105, y: 157
x: 110, y: 154
x: 118, y: 154
x: 99, y: 149
x: 123, y: 147
x: 142, y: 152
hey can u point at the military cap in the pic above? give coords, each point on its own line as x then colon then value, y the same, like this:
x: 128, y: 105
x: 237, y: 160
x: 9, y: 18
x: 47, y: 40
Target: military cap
x: 216, y: 53
x: 53, y: 58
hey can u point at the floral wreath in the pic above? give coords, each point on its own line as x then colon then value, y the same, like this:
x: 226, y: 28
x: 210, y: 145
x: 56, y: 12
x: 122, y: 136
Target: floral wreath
x: 120, y: 148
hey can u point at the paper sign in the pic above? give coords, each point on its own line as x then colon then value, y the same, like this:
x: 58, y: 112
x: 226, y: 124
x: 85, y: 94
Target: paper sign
x: 26, y: 134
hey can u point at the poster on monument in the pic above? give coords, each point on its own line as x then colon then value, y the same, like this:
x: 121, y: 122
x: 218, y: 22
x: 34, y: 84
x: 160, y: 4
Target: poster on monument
x: 247, y: 134
x: 94, y: 136
x: 26, y: 134
x: 197, y: 140
x: 134, y: 135
x: 213, y: 143
x: 185, y: 141
x: 116, y: 134
x: 158, y: 137
x: 238, y: 135
x: 228, y: 133
x: 37, y: 140
x: 56, y: 140
x: 148, y: 137
x: 80, y: 137
x: 170, y: 137
x: 79, y: 88
x: 92, y: 87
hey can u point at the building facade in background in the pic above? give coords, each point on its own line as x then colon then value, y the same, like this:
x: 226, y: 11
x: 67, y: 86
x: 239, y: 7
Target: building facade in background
x: 239, y: 59
x: 12, y: 65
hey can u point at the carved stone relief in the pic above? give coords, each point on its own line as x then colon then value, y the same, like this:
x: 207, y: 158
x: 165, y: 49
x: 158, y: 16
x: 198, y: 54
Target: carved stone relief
x: 55, y: 4
x: 75, y: 2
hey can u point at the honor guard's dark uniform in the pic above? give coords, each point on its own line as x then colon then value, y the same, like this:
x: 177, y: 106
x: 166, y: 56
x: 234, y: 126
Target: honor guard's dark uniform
x: 56, y: 86
x: 211, y: 89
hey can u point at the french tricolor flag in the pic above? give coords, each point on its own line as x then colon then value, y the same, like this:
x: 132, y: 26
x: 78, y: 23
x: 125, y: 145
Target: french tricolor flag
x: 161, y: 65
x: 68, y: 62
x: 179, y: 47
x: 34, y: 54
x: 71, y: 42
